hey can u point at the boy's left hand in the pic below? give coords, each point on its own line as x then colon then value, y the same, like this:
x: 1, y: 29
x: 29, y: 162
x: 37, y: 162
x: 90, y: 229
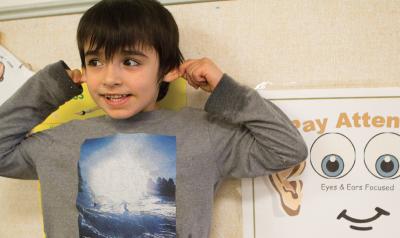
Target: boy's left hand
x: 75, y: 75
x: 201, y: 73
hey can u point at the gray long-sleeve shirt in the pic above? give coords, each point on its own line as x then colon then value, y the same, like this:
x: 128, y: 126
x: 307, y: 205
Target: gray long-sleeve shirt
x: 152, y: 175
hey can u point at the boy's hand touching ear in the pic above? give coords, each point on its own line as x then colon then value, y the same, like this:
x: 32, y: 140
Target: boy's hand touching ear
x: 201, y: 73
x: 76, y: 76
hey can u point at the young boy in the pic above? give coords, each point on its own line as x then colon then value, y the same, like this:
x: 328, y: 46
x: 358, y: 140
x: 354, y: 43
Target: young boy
x: 139, y: 171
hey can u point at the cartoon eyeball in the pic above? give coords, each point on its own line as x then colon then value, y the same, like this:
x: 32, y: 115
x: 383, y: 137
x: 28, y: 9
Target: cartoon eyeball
x: 382, y: 155
x: 2, y: 69
x: 332, y: 155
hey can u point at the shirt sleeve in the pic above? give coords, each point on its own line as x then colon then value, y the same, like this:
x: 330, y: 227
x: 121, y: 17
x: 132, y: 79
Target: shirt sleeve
x: 42, y: 94
x: 250, y: 136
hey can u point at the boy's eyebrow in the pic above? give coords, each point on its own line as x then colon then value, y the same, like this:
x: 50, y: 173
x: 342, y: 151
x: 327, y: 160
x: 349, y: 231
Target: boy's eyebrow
x: 124, y: 52
x: 133, y: 52
x: 91, y: 52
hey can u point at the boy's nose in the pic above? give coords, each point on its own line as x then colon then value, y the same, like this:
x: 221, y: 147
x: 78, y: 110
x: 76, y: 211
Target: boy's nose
x: 112, y: 76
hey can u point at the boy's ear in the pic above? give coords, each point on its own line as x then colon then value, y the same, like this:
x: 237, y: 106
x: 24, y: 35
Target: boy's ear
x: 171, y: 75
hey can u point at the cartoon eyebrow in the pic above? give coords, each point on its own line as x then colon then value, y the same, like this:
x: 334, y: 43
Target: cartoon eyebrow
x: 2, y: 70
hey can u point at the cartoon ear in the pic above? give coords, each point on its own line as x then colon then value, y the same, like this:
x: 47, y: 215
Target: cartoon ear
x: 171, y: 75
x: 297, y: 170
x: 290, y: 192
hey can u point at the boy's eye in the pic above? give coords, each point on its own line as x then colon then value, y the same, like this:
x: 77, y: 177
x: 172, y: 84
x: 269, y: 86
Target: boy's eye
x: 130, y: 62
x: 94, y: 62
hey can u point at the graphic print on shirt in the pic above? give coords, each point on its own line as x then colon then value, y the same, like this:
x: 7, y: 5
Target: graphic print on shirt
x: 127, y: 186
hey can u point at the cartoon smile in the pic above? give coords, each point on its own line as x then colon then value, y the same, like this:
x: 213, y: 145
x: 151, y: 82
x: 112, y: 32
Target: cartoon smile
x: 379, y: 213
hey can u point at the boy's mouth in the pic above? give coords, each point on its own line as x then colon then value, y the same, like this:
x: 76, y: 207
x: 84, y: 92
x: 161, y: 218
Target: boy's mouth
x: 116, y: 98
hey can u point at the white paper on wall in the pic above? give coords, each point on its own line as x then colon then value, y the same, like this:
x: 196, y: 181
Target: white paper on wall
x: 13, y: 74
x: 350, y: 185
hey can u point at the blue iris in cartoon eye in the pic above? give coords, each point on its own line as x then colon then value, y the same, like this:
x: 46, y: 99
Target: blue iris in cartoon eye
x: 387, y: 165
x: 332, y: 165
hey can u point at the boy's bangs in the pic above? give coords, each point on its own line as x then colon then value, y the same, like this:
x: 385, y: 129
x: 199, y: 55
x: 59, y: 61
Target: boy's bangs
x: 112, y: 28
x: 113, y: 41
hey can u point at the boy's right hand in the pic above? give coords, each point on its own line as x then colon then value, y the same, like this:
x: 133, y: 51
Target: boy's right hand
x: 75, y: 75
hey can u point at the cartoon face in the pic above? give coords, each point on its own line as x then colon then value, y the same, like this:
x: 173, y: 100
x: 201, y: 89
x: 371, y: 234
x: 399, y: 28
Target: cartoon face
x: 349, y: 186
x: 2, y: 69
x: 333, y: 156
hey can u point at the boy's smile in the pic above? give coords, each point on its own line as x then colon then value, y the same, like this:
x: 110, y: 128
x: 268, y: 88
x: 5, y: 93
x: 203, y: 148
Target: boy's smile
x: 124, y: 85
x: 116, y: 99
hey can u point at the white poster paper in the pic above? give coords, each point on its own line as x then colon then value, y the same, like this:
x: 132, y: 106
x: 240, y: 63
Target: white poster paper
x: 13, y: 74
x: 349, y: 186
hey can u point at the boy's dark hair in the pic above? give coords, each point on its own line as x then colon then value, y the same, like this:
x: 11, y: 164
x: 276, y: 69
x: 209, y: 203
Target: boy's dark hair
x: 114, y: 25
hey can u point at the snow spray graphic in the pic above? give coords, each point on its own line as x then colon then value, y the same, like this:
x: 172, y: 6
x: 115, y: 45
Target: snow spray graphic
x: 127, y: 187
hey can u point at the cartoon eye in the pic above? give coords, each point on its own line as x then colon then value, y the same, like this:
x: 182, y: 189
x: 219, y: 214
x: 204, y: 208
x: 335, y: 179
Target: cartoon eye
x: 387, y: 165
x: 332, y: 165
x: 382, y: 155
x: 332, y: 155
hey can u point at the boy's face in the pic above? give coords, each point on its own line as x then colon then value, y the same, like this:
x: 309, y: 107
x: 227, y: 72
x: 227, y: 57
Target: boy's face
x: 126, y: 85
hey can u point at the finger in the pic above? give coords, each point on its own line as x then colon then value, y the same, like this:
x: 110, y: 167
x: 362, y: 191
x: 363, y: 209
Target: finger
x: 198, y: 73
x: 76, y: 76
x: 202, y: 83
x: 193, y: 83
x: 197, y: 76
x: 191, y: 70
x: 190, y: 82
x: 188, y: 78
x: 183, y: 67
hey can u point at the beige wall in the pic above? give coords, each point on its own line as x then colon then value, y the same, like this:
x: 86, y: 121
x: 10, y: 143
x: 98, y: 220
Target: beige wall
x: 289, y: 44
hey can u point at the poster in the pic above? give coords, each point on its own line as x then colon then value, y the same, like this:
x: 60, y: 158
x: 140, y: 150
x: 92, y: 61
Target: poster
x: 349, y: 185
x: 13, y: 74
